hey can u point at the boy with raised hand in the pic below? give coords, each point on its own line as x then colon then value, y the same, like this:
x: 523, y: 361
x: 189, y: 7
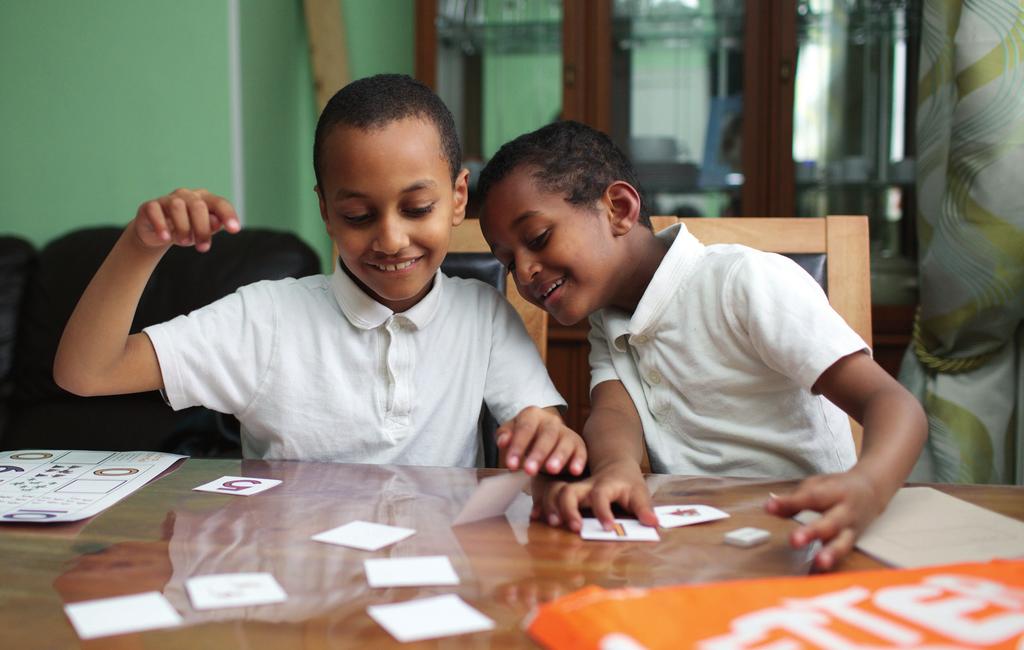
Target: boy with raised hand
x: 385, y: 361
x: 723, y: 359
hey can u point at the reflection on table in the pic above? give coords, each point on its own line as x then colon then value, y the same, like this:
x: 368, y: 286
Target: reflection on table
x: 166, y: 533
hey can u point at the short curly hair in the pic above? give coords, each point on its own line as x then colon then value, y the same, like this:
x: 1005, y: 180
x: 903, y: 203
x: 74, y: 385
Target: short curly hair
x: 569, y: 158
x: 373, y: 102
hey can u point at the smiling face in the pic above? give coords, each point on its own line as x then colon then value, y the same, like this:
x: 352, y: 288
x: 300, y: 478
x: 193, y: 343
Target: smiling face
x: 389, y: 204
x: 563, y: 257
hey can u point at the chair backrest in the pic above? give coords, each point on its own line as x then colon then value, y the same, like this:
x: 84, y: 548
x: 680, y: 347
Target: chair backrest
x: 840, y: 242
x: 486, y: 268
x: 467, y: 238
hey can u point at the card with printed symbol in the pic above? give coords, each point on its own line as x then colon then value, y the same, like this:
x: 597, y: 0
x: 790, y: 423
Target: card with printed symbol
x: 234, y: 590
x: 747, y: 537
x: 492, y: 497
x: 238, y: 485
x: 623, y: 530
x: 120, y: 615
x: 429, y: 618
x: 364, y: 535
x: 675, y: 516
x: 410, y: 571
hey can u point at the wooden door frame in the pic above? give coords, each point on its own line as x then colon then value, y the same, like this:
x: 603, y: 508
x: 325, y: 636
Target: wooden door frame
x: 425, y: 27
x: 769, y: 72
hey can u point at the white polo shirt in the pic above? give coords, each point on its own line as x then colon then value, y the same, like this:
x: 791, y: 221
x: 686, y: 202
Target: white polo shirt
x: 720, y: 357
x: 315, y: 369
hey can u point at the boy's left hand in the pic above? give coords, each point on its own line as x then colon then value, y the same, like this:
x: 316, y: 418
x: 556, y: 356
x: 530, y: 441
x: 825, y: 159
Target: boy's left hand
x: 538, y: 438
x: 847, y: 501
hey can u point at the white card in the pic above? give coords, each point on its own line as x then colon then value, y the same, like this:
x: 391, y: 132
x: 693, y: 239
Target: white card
x: 107, y: 616
x: 747, y: 537
x: 364, y: 535
x: 492, y: 497
x: 234, y: 590
x: 240, y: 485
x: 675, y: 516
x: 625, y: 530
x: 410, y: 571
x: 429, y: 618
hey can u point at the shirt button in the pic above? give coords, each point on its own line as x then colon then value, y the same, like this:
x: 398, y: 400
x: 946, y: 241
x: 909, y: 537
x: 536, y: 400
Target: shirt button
x: 654, y: 377
x: 639, y: 339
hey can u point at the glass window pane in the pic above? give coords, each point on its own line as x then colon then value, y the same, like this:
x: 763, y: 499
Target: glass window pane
x: 851, y: 126
x: 677, y: 103
x: 499, y: 69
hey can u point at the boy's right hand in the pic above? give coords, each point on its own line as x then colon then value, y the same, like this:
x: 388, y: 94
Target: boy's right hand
x: 559, y: 502
x: 537, y: 440
x: 185, y: 218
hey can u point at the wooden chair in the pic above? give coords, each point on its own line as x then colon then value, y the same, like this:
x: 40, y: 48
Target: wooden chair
x: 843, y: 241
x: 467, y: 238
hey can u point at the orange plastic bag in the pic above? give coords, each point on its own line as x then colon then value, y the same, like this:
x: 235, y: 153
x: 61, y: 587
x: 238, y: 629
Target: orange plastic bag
x: 955, y: 606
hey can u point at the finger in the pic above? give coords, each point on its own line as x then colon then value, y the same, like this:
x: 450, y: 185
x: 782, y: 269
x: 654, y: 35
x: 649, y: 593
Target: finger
x: 542, y: 442
x: 199, y: 216
x: 836, y: 550
x: 814, y: 493
x: 502, y: 435
x: 565, y: 449
x: 640, y: 505
x: 568, y: 505
x: 178, y: 212
x: 223, y: 210
x: 522, y: 427
x: 824, y: 528
x: 153, y: 213
x: 601, y: 503
x: 578, y: 460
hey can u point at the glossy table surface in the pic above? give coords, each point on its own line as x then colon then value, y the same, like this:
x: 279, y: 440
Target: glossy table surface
x: 165, y: 533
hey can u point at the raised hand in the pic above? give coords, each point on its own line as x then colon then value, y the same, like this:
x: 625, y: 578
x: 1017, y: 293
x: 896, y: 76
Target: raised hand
x: 185, y: 218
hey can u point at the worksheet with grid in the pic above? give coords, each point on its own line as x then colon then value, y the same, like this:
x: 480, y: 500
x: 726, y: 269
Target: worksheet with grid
x: 53, y: 485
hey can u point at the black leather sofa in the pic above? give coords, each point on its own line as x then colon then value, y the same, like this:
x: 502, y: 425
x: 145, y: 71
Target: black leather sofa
x: 39, y: 289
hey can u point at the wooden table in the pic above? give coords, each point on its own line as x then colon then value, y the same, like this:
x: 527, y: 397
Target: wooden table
x: 165, y: 533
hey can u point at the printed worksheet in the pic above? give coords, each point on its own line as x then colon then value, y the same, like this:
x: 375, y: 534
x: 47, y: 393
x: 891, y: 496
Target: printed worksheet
x: 52, y: 485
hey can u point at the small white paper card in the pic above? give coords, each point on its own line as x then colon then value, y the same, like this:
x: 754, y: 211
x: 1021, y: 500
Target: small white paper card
x: 364, y: 535
x: 675, y: 516
x: 107, y: 616
x: 410, y: 571
x: 747, y: 537
x: 429, y: 618
x: 624, y: 530
x: 234, y: 590
x: 239, y: 485
x: 492, y: 497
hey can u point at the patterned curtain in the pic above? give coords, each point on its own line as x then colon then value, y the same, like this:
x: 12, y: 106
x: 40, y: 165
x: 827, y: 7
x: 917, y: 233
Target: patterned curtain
x: 965, y: 363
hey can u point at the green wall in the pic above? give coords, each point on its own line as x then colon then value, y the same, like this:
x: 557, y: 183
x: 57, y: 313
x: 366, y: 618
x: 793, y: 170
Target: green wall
x: 278, y: 119
x: 105, y: 104
x: 108, y: 103
x: 380, y: 36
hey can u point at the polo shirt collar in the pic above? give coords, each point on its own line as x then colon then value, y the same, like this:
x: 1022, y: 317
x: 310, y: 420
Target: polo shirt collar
x: 673, y: 272
x: 366, y: 313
